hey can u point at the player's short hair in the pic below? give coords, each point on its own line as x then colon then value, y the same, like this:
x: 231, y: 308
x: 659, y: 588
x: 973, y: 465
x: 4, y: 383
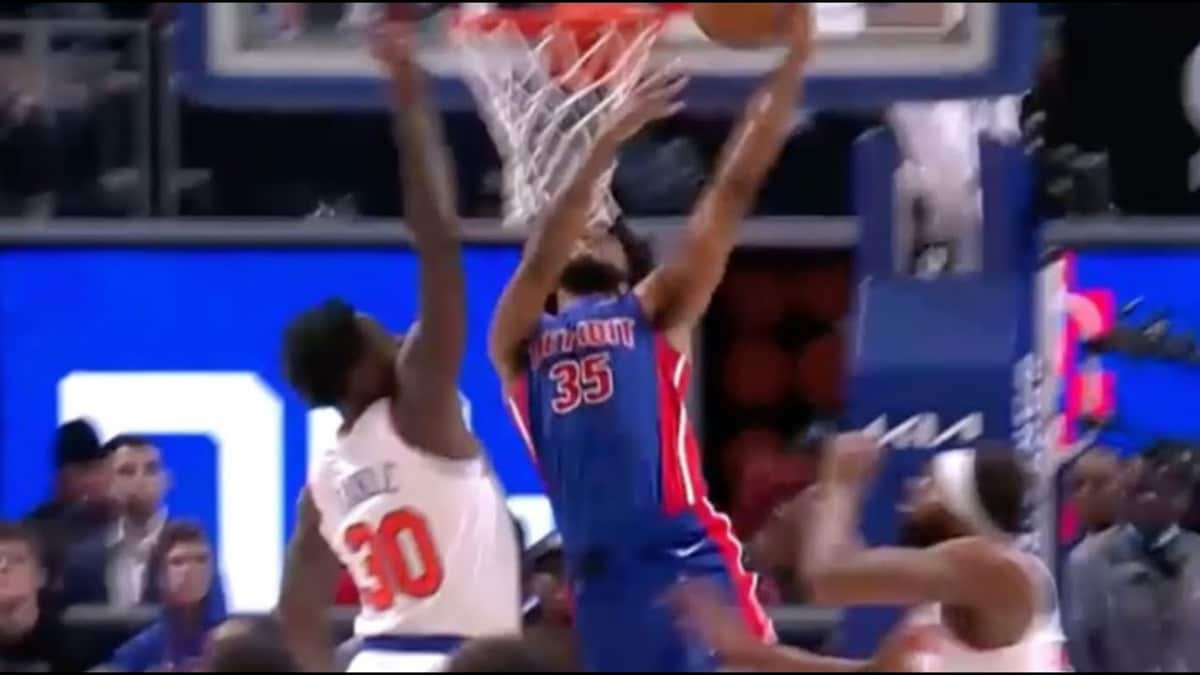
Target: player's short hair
x: 255, y: 646
x: 1002, y: 483
x: 638, y: 251
x: 320, y: 346
x: 504, y: 655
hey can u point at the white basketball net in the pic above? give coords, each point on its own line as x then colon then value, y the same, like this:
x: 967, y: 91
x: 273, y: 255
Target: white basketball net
x: 542, y: 129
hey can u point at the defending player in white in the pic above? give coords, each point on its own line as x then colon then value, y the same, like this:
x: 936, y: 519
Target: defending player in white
x: 406, y: 502
x: 959, y: 564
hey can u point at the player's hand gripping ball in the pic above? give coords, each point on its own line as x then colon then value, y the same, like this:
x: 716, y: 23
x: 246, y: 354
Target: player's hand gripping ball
x: 747, y: 25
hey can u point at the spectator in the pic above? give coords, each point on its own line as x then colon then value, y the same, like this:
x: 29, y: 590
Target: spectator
x: 28, y: 167
x: 1095, y: 483
x: 248, y: 645
x: 81, y: 504
x: 183, y: 565
x: 549, y: 619
x: 1131, y: 605
x: 111, y: 567
x: 31, y: 636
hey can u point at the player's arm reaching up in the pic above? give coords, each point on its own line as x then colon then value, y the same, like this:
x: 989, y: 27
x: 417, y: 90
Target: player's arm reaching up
x: 429, y: 363
x: 548, y: 249
x: 677, y: 293
x: 310, y: 571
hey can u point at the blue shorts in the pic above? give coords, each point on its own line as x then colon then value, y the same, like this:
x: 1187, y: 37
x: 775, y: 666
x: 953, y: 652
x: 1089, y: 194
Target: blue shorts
x: 624, y: 624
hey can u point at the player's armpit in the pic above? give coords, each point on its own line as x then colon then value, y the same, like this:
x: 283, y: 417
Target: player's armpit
x: 545, y: 256
x: 678, y: 293
x: 309, y: 574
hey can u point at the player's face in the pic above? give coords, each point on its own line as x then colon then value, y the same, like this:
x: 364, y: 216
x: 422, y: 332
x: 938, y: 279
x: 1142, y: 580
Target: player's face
x: 597, y: 265
x: 923, y: 512
x: 373, y: 376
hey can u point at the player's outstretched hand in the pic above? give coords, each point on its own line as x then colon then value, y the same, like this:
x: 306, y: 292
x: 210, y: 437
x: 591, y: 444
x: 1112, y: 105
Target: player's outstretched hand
x: 392, y: 46
x: 653, y: 98
x: 802, y: 37
x: 704, y: 611
x: 849, y: 459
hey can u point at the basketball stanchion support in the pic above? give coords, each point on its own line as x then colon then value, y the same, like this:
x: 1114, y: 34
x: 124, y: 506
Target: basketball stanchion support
x: 944, y: 362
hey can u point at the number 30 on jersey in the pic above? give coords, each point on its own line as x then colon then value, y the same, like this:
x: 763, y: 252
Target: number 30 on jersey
x: 400, y: 558
x: 587, y: 380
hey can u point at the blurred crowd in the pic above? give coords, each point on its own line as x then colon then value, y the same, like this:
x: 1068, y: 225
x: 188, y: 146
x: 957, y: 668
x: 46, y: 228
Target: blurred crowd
x: 1112, y: 123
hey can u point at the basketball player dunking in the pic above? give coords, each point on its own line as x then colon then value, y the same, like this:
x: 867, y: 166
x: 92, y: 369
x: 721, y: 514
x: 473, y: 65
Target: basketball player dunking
x: 960, y: 565
x: 406, y: 502
x: 598, y: 388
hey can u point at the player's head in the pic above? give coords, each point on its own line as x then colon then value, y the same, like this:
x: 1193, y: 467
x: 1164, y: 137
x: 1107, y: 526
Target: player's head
x: 607, y: 261
x: 248, y: 645
x: 505, y: 655
x: 335, y: 356
x: 966, y: 492
x: 1095, y: 481
x: 1158, y: 487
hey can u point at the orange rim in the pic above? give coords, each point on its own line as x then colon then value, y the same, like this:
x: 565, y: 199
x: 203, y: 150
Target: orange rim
x: 574, y: 28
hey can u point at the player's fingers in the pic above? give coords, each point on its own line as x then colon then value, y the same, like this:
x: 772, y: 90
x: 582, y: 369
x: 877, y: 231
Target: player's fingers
x: 658, y: 77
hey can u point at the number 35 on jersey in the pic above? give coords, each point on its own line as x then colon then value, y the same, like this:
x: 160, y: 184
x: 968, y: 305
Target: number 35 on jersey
x: 584, y: 381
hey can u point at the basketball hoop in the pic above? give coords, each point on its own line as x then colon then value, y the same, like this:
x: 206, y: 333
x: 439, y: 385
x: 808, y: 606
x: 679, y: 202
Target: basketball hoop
x: 545, y: 80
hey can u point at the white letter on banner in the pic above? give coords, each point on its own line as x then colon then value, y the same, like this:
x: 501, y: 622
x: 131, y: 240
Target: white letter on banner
x: 244, y: 418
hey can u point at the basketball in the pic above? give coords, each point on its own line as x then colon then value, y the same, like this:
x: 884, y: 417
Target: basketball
x: 745, y: 25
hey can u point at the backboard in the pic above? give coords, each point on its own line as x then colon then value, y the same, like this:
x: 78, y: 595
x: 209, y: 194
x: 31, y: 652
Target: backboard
x: 311, y: 55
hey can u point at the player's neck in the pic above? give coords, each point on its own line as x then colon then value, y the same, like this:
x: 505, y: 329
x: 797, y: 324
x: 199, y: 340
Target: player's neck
x: 564, y: 299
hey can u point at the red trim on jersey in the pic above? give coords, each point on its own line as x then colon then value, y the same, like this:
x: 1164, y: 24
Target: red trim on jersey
x: 516, y: 397
x: 683, y: 481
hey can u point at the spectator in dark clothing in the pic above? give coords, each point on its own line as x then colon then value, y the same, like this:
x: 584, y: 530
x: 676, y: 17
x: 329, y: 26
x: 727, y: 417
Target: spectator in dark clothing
x: 192, y: 607
x: 548, y: 618
x: 81, y: 505
x: 28, y: 158
x: 112, y: 566
x: 31, y: 635
x: 1132, y: 601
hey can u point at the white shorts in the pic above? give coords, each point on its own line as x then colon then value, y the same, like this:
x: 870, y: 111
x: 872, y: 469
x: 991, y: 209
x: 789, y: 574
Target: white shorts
x: 380, y: 661
x: 408, y: 654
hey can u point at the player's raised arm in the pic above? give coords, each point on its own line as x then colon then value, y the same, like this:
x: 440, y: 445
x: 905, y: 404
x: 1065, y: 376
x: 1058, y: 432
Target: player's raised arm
x: 677, y: 293
x: 433, y: 350
x: 309, y: 573
x: 566, y: 219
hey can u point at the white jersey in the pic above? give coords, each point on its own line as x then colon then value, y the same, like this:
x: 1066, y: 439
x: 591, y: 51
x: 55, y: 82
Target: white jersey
x: 429, y: 541
x: 1040, y: 650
